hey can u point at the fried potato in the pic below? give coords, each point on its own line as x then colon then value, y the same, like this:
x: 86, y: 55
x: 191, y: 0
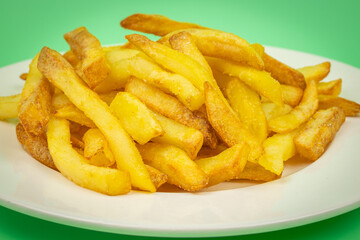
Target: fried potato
x: 214, y: 43
x: 74, y: 167
x: 316, y: 72
x: 158, y: 178
x: 173, y: 60
x: 175, y: 163
x: 71, y: 58
x: 246, y: 103
x: 299, y: 114
x: 318, y: 132
x: 226, y: 165
x: 283, y: 73
x: 35, y: 103
x: 291, y: 95
x: 170, y: 107
x: 169, y: 82
x: 350, y: 108
x: 255, y: 172
x: 137, y: 120
x: 259, y: 49
x: 9, y: 106
x: 186, y: 138
x: 273, y: 110
x: 92, y: 66
x: 62, y: 75
x: 72, y: 113
x: 226, y: 123
x: 260, y: 81
x: 155, y: 24
x: 23, y: 76
x: 36, y: 145
x: 332, y: 88
x: 183, y: 42
x: 277, y: 149
x: 96, y: 149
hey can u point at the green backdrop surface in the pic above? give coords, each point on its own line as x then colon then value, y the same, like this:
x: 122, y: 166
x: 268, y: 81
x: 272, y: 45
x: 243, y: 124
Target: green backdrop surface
x: 325, y: 28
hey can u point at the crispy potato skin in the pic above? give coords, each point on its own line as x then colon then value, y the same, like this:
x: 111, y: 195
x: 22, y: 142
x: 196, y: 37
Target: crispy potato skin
x: 155, y: 24
x: 256, y: 172
x: 318, y: 132
x: 283, y: 73
x: 37, y: 146
x: 332, y: 88
x: 350, y: 108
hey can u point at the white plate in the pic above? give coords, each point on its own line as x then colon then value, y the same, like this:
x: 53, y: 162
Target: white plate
x: 306, y: 193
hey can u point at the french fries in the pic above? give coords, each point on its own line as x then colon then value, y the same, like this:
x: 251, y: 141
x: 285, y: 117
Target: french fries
x: 73, y: 166
x: 61, y: 74
x: 318, y: 132
x: 204, y: 107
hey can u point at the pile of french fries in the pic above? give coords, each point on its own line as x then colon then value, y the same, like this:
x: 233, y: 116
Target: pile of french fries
x: 196, y: 108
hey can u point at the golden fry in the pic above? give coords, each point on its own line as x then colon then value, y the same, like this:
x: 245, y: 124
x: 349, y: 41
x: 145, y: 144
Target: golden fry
x: 255, y: 172
x: 332, y: 88
x: 350, y: 108
x: 316, y: 72
x: 9, y: 106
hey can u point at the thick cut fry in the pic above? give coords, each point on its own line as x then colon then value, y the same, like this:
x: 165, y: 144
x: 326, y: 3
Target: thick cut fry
x: 272, y: 110
x: 291, y: 95
x: 92, y: 68
x: 332, y: 88
x: 223, y: 45
x: 186, y: 138
x: 138, y: 121
x: 227, y: 124
x: 36, y: 145
x: 155, y: 24
x: 170, y: 107
x: 158, y: 178
x: 316, y: 72
x: 350, y: 108
x: 35, y: 103
x: 71, y: 58
x: 74, y: 167
x: 283, y: 73
x: 259, y: 49
x: 226, y: 165
x: 260, y: 81
x: 173, y: 60
x: 300, y: 113
x: 72, y: 113
x: 277, y: 149
x: 184, y: 43
x: 175, y: 163
x: 318, y: 132
x: 9, y: 106
x: 62, y: 75
x: 246, y: 103
x: 96, y: 149
x: 255, y: 172
x: 172, y: 83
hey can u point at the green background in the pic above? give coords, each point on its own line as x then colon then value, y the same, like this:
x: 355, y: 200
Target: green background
x: 326, y: 28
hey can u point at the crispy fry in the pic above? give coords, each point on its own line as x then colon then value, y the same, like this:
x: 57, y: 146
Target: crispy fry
x: 318, y: 132
x: 283, y: 73
x: 255, y: 172
x: 277, y: 149
x: 72, y: 113
x: 246, y: 103
x: 92, y: 68
x: 35, y: 102
x: 170, y: 107
x: 291, y: 95
x: 259, y: 49
x: 73, y: 166
x: 350, y: 108
x: 183, y: 42
x: 332, y: 88
x: 260, y: 81
x: 175, y: 163
x: 71, y: 58
x: 37, y: 146
x: 172, y: 83
x: 173, y: 60
x: 226, y: 165
x: 272, y: 110
x: 226, y: 123
x: 61, y: 74
x: 316, y: 72
x: 138, y: 121
x: 223, y: 45
x: 157, y: 177
x: 155, y: 24
x: 299, y: 114
x: 186, y: 138
x: 9, y: 106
